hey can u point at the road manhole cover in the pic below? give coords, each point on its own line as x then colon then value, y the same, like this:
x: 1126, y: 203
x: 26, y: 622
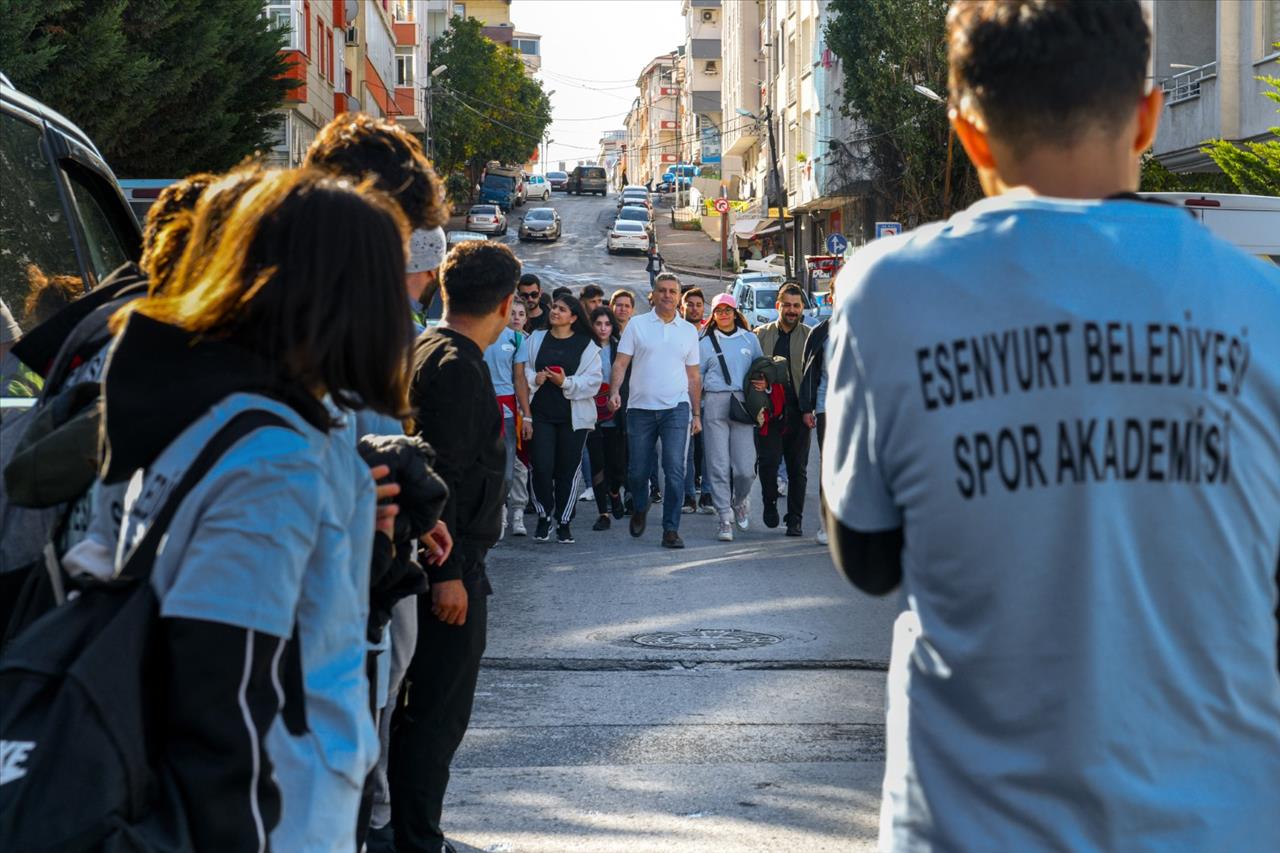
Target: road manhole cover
x: 705, y: 640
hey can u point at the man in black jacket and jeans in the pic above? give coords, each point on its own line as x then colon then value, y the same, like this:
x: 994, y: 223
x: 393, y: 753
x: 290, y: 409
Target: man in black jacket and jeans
x: 457, y: 413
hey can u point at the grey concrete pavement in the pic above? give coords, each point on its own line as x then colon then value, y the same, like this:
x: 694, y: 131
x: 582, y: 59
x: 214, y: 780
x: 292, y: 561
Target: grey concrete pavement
x: 725, y: 697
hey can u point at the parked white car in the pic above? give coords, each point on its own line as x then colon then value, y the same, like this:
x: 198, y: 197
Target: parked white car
x: 536, y: 186
x: 769, y: 263
x: 627, y: 236
x: 455, y: 237
x: 637, y: 213
x: 1251, y: 222
x: 486, y: 219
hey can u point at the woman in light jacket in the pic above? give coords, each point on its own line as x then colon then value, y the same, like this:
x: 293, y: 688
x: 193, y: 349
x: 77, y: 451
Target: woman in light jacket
x: 565, y: 372
x: 726, y: 351
x: 301, y: 303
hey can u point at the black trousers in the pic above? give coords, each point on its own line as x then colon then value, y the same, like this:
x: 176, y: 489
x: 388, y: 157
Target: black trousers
x: 607, y: 450
x: 789, y: 446
x: 431, y: 717
x: 821, y: 430
x: 556, y: 460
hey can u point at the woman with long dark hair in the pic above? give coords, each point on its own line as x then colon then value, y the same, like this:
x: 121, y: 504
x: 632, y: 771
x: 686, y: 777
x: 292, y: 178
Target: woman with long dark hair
x: 606, y: 445
x: 564, y: 371
x: 301, y: 307
x: 726, y: 351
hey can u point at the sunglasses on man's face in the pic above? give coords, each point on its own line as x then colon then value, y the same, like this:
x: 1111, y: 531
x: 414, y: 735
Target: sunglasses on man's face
x: 529, y: 295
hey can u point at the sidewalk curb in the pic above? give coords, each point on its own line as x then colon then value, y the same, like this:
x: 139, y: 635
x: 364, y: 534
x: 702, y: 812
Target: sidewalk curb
x: 700, y: 272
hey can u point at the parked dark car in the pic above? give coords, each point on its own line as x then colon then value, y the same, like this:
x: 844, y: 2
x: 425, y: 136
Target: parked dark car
x: 559, y: 181
x: 61, y: 212
x: 540, y: 223
x: 588, y: 179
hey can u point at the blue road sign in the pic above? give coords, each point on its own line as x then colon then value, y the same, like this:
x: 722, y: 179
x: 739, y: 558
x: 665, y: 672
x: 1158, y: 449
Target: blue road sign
x: 836, y: 244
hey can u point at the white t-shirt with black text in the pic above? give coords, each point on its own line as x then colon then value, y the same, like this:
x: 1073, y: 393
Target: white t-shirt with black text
x: 1072, y: 408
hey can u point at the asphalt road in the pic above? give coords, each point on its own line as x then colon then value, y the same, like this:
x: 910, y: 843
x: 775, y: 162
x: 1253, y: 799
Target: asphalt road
x: 727, y: 697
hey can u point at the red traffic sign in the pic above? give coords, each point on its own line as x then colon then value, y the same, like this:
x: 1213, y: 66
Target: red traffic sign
x: 722, y: 205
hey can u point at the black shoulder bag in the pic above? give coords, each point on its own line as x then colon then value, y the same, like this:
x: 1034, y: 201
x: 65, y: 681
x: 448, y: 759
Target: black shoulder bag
x: 737, y: 411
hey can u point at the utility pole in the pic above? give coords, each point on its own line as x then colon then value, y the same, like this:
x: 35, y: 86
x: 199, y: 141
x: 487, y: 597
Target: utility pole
x: 780, y: 197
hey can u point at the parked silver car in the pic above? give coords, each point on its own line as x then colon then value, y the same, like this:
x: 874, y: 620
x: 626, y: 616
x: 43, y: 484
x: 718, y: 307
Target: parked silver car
x: 540, y: 223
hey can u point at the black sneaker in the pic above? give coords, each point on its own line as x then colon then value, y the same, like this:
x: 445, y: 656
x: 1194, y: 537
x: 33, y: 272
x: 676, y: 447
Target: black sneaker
x: 615, y: 500
x: 381, y: 840
x: 690, y: 506
x: 543, y: 533
x: 655, y: 495
x: 771, y: 514
x: 604, y: 522
x: 671, y: 539
x: 638, y: 522
x: 793, y: 528
x: 704, y: 504
x: 563, y: 536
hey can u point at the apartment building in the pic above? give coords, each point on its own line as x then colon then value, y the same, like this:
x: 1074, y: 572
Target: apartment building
x: 371, y: 58
x: 700, y: 82
x: 741, y: 137
x: 613, y: 145
x: 491, y: 13
x: 412, y: 62
x: 1206, y: 55
x: 652, y: 124
x: 318, y: 70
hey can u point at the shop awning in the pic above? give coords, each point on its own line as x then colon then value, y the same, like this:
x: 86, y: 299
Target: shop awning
x: 745, y: 228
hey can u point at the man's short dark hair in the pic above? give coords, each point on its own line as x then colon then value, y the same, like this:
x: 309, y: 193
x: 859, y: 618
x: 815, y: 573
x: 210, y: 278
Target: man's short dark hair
x: 477, y: 276
x: 361, y: 146
x: 791, y: 289
x: 691, y: 292
x: 1047, y: 69
x: 591, y: 291
x: 623, y: 293
x: 561, y: 291
x: 528, y: 279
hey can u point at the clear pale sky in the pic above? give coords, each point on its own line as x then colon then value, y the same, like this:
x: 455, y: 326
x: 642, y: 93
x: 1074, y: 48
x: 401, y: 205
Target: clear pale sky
x: 602, y: 44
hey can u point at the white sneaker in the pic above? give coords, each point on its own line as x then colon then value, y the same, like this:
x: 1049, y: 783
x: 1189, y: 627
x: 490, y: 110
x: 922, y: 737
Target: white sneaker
x: 588, y: 495
x: 742, y: 514
x: 782, y: 487
x: 517, y: 526
x: 726, y: 531
x: 822, y: 536
x: 502, y: 534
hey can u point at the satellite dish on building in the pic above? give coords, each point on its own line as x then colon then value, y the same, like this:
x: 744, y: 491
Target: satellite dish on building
x: 349, y: 10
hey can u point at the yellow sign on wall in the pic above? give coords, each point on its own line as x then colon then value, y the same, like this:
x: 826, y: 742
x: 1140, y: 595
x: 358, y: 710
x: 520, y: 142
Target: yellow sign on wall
x: 709, y: 209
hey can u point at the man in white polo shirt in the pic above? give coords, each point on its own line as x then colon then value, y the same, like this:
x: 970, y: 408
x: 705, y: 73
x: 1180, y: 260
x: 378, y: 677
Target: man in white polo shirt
x: 665, y: 400
x: 1053, y: 420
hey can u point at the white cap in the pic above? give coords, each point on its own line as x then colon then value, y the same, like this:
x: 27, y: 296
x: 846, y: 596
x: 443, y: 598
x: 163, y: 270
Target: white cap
x: 427, y: 247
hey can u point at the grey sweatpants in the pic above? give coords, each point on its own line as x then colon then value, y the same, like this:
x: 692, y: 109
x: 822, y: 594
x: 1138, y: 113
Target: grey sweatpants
x: 729, y: 450
x: 404, y: 639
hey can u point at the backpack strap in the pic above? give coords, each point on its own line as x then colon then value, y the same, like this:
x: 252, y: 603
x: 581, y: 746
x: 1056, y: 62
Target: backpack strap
x: 293, y: 712
x: 724, y: 366
x: 143, y: 556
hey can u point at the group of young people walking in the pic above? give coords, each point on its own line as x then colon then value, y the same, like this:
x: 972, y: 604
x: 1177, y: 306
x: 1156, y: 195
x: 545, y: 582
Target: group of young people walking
x: 309, y: 485
x: 613, y: 398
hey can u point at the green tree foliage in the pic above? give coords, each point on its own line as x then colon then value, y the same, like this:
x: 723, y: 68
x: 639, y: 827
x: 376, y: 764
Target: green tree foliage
x: 163, y: 87
x: 887, y: 47
x: 1158, y: 179
x: 1253, y: 167
x: 484, y: 106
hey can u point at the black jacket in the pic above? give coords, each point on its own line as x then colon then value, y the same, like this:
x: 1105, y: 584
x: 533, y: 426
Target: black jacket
x: 457, y: 412
x: 814, y: 361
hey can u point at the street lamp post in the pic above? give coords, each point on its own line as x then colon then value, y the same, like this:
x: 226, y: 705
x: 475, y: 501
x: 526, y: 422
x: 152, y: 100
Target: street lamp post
x: 951, y: 135
x: 779, y: 197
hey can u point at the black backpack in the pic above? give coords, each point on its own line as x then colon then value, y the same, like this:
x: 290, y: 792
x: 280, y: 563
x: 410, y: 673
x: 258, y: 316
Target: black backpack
x: 80, y: 704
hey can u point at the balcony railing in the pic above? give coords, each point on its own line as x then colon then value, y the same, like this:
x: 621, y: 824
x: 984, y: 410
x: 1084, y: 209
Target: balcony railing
x: 1185, y: 85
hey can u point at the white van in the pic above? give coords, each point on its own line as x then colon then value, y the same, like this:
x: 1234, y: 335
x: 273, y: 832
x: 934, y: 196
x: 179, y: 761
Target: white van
x: 1252, y: 222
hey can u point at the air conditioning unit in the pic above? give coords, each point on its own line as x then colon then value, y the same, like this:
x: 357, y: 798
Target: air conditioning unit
x: 353, y: 34
x: 710, y: 67
x: 708, y: 16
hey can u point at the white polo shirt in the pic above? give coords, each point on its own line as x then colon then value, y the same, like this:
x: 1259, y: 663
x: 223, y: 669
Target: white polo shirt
x: 659, y: 352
